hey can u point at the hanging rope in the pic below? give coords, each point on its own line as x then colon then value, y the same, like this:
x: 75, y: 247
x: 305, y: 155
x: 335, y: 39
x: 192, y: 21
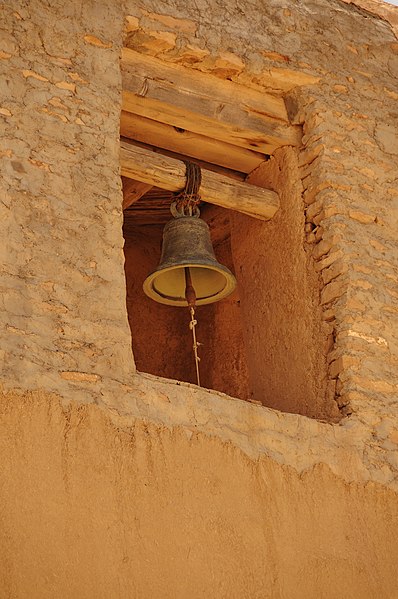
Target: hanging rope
x: 192, y: 326
x: 190, y: 296
x: 186, y: 202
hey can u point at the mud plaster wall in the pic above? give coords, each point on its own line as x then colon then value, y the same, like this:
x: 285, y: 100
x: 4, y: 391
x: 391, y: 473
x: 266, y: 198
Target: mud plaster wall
x: 285, y: 335
x: 63, y: 315
x: 159, y: 344
x: 224, y: 354
x: 352, y: 216
x: 162, y: 341
x: 127, y: 509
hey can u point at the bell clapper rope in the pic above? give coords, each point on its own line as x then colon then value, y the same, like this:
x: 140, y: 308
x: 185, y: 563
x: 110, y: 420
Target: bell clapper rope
x: 190, y: 296
x: 186, y: 203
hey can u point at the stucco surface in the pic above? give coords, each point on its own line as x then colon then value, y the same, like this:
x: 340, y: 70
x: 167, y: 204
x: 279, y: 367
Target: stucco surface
x: 95, y: 505
x: 286, y: 338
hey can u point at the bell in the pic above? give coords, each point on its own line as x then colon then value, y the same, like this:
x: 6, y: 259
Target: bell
x: 187, y: 244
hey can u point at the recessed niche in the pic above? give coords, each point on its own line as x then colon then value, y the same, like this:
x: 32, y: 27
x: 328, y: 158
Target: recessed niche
x: 267, y: 340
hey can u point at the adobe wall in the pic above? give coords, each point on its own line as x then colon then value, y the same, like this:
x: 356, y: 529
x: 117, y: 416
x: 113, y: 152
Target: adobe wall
x: 100, y: 507
x: 139, y: 485
x: 63, y: 321
x: 287, y: 339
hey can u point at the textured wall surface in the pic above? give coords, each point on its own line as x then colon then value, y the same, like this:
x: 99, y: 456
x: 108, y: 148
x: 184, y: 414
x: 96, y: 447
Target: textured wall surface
x: 287, y: 339
x: 106, y: 508
x: 164, y: 489
x: 63, y: 315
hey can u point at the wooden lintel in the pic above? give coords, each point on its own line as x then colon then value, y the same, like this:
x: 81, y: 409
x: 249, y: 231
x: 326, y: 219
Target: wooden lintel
x: 205, y: 104
x: 165, y: 172
x: 188, y: 143
x: 133, y: 191
x: 207, y: 166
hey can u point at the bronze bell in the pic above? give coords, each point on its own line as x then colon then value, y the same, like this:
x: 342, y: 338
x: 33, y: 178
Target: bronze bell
x: 186, y: 243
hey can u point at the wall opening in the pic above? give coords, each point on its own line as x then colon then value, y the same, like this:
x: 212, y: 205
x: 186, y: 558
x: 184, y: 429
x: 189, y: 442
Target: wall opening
x: 267, y: 342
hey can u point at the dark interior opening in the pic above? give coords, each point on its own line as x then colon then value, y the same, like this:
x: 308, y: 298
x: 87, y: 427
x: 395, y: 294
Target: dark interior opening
x: 265, y: 342
x: 161, y: 338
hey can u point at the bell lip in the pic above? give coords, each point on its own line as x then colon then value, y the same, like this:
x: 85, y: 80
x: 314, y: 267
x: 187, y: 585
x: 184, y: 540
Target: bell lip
x: 228, y: 289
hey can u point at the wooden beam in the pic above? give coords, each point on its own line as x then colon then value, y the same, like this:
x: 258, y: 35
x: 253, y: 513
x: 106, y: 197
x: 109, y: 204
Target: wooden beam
x: 205, y: 104
x: 203, y: 86
x: 153, y: 208
x: 142, y: 165
x: 133, y: 191
x: 207, y: 166
x: 188, y: 143
x: 264, y: 139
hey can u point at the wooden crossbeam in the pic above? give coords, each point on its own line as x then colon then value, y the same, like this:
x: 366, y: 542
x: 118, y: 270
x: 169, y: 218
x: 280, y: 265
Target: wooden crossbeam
x: 155, y: 169
x: 205, y: 104
x: 133, y: 191
x: 188, y: 143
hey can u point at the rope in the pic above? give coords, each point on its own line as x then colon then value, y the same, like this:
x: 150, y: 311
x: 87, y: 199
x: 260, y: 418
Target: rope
x: 192, y: 326
x: 190, y: 296
x: 186, y: 202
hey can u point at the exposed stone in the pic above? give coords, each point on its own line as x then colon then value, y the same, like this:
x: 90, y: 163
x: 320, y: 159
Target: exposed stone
x: 95, y: 41
x: 79, y: 376
x: 361, y: 217
x: 387, y: 138
x: 27, y: 73
x: 343, y: 363
x: 333, y: 291
x: 172, y: 22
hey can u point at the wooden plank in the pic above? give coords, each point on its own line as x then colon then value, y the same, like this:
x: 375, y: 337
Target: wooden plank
x: 153, y: 208
x: 203, y: 85
x: 142, y: 165
x: 205, y: 104
x: 265, y: 138
x: 208, y: 166
x: 133, y: 191
x: 188, y: 143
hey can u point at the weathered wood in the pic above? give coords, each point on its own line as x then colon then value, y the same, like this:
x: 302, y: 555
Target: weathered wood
x: 152, y: 209
x: 142, y: 165
x: 188, y: 143
x: 208, y: 166
x: 204, y: 86
x: 205, y: 104
x: 133, y: 191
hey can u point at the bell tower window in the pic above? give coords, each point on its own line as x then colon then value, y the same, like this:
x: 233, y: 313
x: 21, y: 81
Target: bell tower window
x: 263, y: 341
